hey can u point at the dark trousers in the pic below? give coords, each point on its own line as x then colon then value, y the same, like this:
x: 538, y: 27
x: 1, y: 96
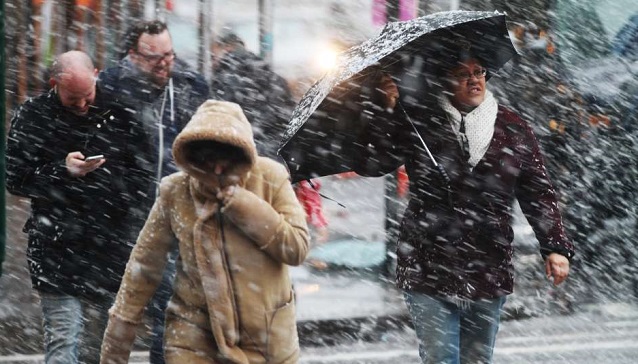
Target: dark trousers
x: 157, y: 310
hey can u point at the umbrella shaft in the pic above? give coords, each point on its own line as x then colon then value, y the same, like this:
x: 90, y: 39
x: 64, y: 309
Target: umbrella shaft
x: 427, y: 150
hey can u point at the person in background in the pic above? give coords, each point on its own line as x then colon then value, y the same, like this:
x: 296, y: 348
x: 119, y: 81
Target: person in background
x: 162, y: 93
x: 244, y: 78
x: 81, y: 209
x: 454, y: 251
x: 308, y: 195
x: 239, y: 227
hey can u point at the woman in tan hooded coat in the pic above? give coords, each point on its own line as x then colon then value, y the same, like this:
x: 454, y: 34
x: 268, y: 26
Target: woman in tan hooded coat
x: 238, y: 225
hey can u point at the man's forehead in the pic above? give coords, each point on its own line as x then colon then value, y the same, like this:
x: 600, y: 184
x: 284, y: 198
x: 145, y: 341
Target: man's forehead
x: 466, y: 64
x: 78, y: 85
x: 155, y: 42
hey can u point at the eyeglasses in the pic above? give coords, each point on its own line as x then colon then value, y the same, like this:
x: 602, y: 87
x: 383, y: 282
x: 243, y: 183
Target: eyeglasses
x: 157, y: 58
x: 466, y: 75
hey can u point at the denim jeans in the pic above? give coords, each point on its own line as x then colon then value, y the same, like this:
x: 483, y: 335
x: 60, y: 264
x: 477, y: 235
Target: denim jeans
x: 73, y: 328
x: 454, y: 333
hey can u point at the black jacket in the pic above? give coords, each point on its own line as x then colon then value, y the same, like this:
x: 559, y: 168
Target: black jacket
x: 80, y: 229
x: 244, y: 78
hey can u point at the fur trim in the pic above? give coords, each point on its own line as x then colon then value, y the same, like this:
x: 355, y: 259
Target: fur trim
x: 222, y: 122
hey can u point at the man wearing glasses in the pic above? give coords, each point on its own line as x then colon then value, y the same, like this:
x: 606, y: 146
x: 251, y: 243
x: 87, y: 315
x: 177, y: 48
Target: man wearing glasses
x: 163, y: 94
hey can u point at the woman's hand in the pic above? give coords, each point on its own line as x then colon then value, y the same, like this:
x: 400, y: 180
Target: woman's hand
x: 557, y: 267
x: 389, y: 90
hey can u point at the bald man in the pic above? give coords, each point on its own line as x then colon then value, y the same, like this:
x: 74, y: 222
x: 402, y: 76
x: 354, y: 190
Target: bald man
x: 76, y: 160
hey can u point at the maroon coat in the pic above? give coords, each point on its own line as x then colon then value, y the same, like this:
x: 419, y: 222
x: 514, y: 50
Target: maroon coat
x: 457, y: 241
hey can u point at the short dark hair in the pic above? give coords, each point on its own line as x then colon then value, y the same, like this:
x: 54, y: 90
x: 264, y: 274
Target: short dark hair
x: 135, y: 32
x: 228, y: 37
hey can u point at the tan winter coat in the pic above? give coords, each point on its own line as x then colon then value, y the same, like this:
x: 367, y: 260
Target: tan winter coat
x: 233, y: 300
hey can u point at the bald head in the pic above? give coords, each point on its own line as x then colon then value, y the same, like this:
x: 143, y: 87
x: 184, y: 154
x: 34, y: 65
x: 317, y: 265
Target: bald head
x: 73, y: 76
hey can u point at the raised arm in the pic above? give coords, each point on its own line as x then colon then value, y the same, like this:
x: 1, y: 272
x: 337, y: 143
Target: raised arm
x: 278, y: 228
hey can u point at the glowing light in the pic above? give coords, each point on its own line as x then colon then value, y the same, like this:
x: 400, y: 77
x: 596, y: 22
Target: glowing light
x: 326, y: 58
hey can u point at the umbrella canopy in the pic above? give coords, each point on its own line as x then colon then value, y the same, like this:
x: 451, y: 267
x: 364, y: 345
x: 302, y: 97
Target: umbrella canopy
x: 324, y: 132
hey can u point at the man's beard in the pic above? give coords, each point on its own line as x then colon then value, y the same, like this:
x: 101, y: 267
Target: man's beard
x: 157, y: 79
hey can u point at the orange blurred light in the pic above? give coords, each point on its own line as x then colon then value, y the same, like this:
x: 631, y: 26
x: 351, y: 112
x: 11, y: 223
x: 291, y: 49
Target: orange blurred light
x: 85, y: 3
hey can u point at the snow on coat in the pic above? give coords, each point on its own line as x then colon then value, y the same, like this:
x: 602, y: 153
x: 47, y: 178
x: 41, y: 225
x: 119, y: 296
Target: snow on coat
x: 233, y: 296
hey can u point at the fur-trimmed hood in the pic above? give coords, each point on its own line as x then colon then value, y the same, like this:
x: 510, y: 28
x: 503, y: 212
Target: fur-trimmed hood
x: 221, y: 122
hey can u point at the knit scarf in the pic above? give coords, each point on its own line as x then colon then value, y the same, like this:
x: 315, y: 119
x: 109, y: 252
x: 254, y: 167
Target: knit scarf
x: 479, y: 125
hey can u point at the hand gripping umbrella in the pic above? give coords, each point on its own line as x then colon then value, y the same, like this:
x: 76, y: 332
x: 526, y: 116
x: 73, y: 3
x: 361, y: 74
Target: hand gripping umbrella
x: 322, y: 136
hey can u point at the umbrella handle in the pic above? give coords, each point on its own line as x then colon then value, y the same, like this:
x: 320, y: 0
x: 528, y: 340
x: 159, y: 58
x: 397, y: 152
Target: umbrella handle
x: 444, y: 174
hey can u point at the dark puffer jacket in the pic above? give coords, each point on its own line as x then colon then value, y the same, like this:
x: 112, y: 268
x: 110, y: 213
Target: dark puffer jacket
x: 457, y: 241
x: 80, y: 229
x: 125, y: 87
x: 244, y: 78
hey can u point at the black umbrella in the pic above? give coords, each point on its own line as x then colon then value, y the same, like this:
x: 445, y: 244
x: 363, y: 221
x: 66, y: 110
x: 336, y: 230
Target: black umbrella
x: 324, y: 132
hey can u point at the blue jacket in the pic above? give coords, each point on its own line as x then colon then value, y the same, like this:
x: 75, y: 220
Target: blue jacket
x: 127, y: 88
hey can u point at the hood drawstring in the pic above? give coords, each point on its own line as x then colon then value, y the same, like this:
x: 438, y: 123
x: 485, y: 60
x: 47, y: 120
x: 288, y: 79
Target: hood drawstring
x: 160, y: 160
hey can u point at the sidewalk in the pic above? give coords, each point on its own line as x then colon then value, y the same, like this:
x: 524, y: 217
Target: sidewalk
x: 334, y: 306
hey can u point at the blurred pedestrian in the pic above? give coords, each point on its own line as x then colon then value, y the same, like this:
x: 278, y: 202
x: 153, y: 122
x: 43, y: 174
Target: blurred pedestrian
x: 242, y: 77
x: 81, y: 209
x: 307, y: 192
x: 455, y: 242
x: 239, y: 225
x: 162, y: 93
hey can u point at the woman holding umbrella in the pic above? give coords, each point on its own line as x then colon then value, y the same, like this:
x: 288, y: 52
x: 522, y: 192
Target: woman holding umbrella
x: 455, y: 246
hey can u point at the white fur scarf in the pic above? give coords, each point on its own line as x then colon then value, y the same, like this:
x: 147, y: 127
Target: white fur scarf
x: 479, y: 125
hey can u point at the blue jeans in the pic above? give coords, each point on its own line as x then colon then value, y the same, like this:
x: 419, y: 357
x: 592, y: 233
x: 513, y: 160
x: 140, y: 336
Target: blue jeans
x: 73, y: 328
x: 454, y: 333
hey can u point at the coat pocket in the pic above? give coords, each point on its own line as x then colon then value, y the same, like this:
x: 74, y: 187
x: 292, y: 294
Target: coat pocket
x: 283, y: 341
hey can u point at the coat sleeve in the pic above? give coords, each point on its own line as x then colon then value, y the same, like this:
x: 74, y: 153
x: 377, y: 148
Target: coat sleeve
x: 31, y: 171
x: 279, y: 228
x: 381, y: 141
x: 141, y: 278
x: 140, y: 177
x: 539, y: 203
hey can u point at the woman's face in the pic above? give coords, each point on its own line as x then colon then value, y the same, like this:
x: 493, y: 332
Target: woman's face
x: 467, y: 85
x: 214, y: 157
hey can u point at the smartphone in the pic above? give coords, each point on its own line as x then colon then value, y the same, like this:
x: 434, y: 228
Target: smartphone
x: 94, y: 157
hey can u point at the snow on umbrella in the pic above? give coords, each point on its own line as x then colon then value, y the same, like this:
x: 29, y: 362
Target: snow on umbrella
x: 322, y: 132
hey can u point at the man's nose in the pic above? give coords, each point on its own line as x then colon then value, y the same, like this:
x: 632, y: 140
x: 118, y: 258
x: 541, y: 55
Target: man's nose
x: 164, y: 61
x: 81, y: 104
